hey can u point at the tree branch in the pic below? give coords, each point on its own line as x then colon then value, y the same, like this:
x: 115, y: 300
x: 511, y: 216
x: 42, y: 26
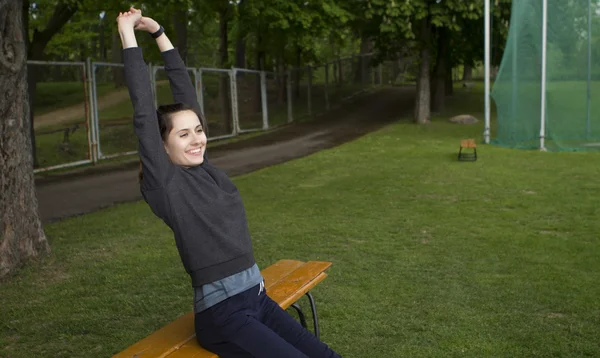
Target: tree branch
x: 62, y: 13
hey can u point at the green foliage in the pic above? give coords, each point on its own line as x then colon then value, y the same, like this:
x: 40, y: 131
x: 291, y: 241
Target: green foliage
x: 285, y: 26
x: 393, y: 24
x: 281, y: 29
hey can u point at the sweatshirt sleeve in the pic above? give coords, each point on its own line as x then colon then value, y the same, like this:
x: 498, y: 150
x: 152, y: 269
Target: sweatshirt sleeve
x: 182, y: 87
x: 155, y: 161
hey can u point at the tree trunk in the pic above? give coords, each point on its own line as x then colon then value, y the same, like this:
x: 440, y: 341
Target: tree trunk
x: 439, y: 85
x: 297, y: 74
x: 240, y: 53
x: 467, y: 73
x: 21, y: 233
x: 334, y: 63
x: 240, y: 43
x: 360, y: 65
x: 224, y: 87
x: 449, y: 83
x: 180, y: 20
x: 449, y: 87
x: 395, y: 70
x: 94, y: 52
x: 422, y: 104
x: 102, y: 42
x: 260, y: 66
x: 335, y: 72
x: 115, y: 54
x: 82, y: 52
x: 340, y: 75
x: 31, y: 84
x: 35, y: 51
x: 281, y: 81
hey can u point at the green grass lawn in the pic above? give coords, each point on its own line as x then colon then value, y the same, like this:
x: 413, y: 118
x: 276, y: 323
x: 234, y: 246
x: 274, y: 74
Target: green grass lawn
x: 431, y: 257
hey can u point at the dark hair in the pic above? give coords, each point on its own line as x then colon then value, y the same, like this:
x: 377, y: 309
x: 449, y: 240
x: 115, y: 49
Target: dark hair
x: 165, y: 114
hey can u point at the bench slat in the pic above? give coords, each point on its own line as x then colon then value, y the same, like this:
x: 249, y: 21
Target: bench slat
x: 294, y: 286
x: 468, y: 143
x: 163, y: 341
x: 279, y: 270
x: 284, y: 293
x: 179, y: 333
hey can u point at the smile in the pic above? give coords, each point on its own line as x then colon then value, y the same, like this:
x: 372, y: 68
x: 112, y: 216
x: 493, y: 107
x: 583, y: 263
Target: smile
x: 194, y: 151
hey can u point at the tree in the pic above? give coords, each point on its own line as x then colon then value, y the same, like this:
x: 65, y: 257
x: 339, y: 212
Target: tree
x: 21, y: 233
x: 63, y: 10
x: 423, y: 99
x: 287, y: 31
x: 428, y: 26
x: 468, y: 43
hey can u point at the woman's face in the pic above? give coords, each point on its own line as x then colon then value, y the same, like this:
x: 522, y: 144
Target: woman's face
x: 186, y: 143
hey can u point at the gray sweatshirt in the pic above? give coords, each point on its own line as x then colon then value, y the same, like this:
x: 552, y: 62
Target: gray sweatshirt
x: 200, y: 204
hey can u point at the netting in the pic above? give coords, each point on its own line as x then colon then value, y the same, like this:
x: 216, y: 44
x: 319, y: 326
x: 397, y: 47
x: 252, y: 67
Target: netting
x: 572, y: 118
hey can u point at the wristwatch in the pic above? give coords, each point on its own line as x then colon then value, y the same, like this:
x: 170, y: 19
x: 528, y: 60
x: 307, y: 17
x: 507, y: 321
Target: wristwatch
x: 159, y: 32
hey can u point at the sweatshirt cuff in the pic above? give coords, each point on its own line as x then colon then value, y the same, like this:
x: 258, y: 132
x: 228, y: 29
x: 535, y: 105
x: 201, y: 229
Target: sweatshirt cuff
x: 172, y: 59
x: 132, y: 53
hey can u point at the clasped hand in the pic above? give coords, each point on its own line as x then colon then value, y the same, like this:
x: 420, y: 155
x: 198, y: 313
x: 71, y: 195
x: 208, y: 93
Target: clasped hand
x: 133, y: 18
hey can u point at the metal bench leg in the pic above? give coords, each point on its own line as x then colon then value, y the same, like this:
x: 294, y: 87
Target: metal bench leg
x: 467, y: 157
x: 300, y: 315
x: 313, y: 308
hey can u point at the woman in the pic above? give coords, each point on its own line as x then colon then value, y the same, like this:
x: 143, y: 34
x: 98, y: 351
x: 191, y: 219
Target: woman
x: 233, y: 315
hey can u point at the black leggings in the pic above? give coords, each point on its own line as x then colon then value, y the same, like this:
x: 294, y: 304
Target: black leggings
x: 251, y: 324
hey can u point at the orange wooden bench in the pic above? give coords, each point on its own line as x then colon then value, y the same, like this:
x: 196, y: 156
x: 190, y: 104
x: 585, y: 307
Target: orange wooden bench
x: 467, y: 144
x: 286, y: 282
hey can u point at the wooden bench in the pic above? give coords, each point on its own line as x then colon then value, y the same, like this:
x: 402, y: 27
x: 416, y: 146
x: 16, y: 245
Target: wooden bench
x: 286, y: 282
x: 467, y: 144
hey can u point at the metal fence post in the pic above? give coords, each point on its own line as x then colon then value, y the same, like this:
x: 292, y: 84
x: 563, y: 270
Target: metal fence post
x: 309, y: 90
x: 363, y: 72
x: 327, y: 86
x: 340, y: 74
x: 95, y: 117
x: 380, y: 74
x: 373, y: 77
x: 90, y: 117
x: 234, y: 101
x: 263, y: 97
x: 288, y: 84
x: 199, y: 90
x: 86, y: 106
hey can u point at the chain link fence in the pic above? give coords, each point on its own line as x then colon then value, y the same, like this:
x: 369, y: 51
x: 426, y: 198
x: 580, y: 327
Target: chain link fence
x: 61, y: 113
x: 82, y: 112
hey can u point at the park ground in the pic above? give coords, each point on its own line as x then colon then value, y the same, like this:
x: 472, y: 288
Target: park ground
x: 431, y: 257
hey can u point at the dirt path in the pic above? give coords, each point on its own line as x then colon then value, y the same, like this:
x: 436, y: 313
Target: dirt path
x: 79, y: 194
x: 70, y: 114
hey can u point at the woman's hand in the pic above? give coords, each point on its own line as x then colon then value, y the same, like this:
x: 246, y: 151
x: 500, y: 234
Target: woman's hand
x: 147, y: 24
x: 129, y: 19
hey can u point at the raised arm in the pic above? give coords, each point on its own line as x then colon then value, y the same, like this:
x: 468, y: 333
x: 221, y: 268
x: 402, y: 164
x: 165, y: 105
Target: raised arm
x: 155, y: 162
x: 182, y: 86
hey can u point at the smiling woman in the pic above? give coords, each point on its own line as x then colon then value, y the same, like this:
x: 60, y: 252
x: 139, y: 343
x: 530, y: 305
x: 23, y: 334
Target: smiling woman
x: 182, y: 133
x: 234, y: 317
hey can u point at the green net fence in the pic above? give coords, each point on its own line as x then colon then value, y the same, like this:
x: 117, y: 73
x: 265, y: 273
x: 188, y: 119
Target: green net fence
x: 572, y: 85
